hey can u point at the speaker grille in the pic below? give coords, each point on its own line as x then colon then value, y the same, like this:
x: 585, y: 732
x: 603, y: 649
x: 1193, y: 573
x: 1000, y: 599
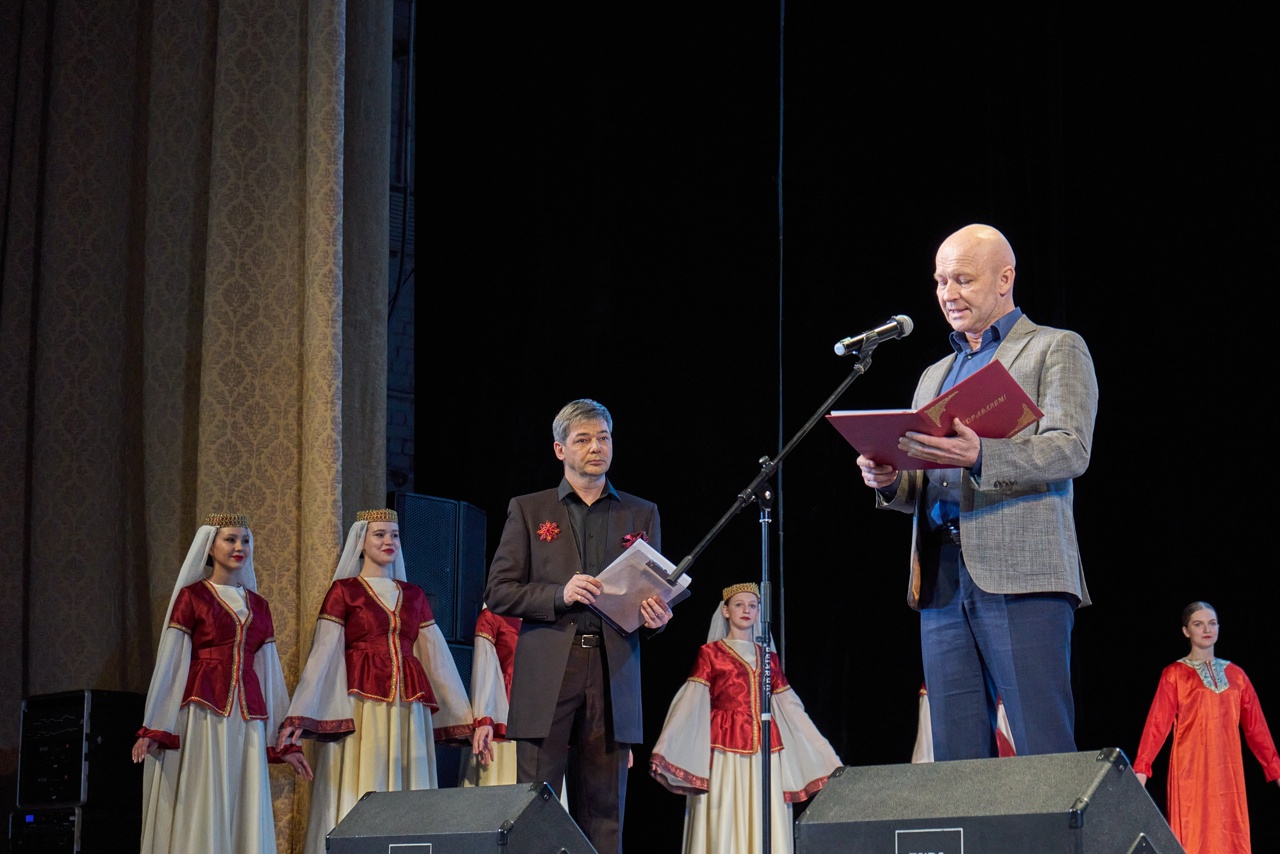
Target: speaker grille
x: 517, y: 819
x: 1083, y: 802
x: 444, y: 554
x: 74, y: 749
x: 449, y: 757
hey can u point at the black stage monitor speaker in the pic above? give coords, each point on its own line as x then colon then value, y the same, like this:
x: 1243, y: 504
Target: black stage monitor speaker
x: 444, y: 551
x: 1074, y: 803
x: 74, y: 749
x: 520, y: 819
x: 449, y: 756
x: 75, y: 830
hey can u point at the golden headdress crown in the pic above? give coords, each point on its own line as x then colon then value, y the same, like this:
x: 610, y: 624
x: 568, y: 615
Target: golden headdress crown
x: 746, y: 587
x: 383, y: 515
x: 227, y: 520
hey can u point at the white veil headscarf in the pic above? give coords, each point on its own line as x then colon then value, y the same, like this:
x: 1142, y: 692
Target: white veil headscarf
x: 719, y: 624
x: 353, y: 555
x: 195, y: 567
x: 322, y: 692
x: 173, y: 653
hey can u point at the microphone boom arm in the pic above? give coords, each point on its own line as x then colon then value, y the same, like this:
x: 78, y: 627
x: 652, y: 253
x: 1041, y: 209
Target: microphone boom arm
x: 768, y: 466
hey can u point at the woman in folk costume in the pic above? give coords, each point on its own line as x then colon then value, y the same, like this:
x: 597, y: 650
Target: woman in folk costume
x: 923, y: 750
x: 217, y: 695
x: 380, y: 686
x: 492, y: 761
x: 710, y: 743
x: 1207, y: 701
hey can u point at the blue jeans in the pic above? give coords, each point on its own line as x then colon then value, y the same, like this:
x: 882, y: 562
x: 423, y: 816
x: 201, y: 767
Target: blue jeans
x: 979, y: 646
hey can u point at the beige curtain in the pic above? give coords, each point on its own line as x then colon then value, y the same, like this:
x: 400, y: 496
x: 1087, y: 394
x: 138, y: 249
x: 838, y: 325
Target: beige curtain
x: 184, y: 325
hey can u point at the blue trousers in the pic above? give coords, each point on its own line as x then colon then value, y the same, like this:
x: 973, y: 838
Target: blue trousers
x: 979, y: 647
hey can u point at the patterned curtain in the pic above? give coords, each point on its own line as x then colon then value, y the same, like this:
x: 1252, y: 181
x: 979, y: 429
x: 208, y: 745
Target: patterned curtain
x: 179, y: 331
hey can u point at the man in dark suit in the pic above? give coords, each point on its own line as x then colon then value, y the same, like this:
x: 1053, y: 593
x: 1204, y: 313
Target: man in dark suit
x: 575, y: 689
x: 995, y: 565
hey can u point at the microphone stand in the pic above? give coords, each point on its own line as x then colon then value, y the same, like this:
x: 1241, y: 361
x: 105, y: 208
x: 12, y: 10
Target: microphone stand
x: 760, y: 492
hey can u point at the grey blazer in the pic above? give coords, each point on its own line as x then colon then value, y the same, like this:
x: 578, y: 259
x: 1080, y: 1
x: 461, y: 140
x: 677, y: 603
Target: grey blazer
x: 525, y: 579
x: 1016, y: 520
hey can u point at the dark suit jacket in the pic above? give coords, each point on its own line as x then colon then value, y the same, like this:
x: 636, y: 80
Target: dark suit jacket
x: 526, y: 580
x: 1017, y: 522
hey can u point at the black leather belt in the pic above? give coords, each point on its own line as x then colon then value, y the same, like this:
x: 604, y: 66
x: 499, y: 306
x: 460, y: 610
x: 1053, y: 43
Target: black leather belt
x: 949, y: 533
x: 589, y: 641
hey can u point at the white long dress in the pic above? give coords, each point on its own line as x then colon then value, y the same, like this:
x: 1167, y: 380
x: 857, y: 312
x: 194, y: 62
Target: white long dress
x: 383, y: 744
x: 212, y: 794
x: 709, y: 750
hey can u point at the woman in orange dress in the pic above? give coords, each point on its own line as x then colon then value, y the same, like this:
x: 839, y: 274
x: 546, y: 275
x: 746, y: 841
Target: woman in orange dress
x: 1207, y: 701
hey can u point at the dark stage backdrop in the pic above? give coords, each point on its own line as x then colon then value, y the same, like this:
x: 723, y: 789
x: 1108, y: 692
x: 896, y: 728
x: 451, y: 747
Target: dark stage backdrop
x: 599, y: 185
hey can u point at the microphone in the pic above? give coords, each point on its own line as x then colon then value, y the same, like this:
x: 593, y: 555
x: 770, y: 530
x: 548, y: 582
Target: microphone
x: 899, y: 326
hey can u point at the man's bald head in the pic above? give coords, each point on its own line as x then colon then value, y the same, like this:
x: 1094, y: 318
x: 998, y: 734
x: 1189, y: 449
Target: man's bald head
x: 985, y: 241
x: 974, y: 272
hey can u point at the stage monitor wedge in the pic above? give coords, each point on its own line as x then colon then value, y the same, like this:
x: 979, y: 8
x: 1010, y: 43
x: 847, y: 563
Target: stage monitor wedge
x: 1074, y: 803
x: 519, y: 819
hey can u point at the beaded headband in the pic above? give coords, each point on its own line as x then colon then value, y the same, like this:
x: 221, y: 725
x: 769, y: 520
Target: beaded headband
x: 227, y: 520
x: 378, y: 516
x: 745, y: 587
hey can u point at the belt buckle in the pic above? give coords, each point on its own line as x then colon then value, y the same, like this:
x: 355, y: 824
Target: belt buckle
x: 587, y: 640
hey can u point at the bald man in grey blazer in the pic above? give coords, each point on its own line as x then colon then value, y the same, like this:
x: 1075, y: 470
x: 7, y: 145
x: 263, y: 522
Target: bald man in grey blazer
x: 995, y: 566
x: 575, y: 686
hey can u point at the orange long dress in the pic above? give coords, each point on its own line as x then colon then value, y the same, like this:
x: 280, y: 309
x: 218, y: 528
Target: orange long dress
x: 1207, y: 703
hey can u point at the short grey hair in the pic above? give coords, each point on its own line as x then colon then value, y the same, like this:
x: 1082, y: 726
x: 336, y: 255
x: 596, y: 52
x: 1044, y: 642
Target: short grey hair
x: 583, y: 409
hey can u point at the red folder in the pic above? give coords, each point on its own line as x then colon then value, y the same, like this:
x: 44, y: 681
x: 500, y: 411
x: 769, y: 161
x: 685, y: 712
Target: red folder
x: 990, y: 402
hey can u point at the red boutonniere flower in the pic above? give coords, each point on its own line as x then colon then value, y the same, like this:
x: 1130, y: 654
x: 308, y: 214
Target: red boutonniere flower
x: 631, y: 538
x: 548, y: 531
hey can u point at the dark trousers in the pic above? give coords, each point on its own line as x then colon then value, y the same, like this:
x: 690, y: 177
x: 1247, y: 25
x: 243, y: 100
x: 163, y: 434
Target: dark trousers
x: 980, y: 646
x: 580, y: 751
